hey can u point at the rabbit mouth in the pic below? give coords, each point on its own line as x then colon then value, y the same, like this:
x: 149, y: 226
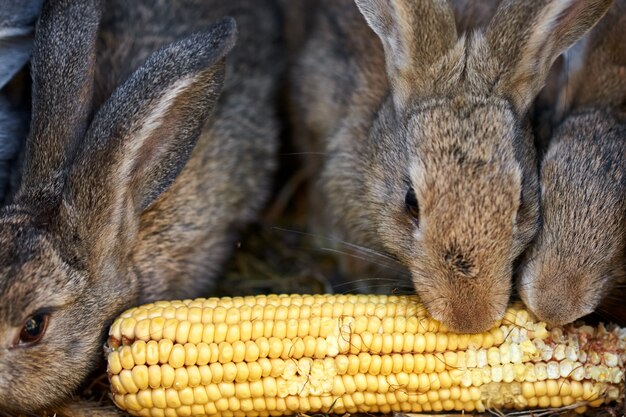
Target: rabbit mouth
x: 560, y: 298
x: 473, y: 315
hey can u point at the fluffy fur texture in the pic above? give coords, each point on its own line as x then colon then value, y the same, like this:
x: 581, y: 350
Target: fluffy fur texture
x: 139, y: 170
x: 580, y: 252
x: 447, y: 118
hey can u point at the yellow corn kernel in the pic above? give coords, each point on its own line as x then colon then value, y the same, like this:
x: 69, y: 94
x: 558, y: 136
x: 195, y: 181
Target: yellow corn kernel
x: 274, y: 355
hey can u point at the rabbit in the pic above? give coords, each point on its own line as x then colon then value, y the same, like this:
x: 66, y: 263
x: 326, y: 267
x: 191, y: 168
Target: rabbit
x: 580, y: 250
x: 139, y: 169
x: 428, y: 154
x: 17, y: 21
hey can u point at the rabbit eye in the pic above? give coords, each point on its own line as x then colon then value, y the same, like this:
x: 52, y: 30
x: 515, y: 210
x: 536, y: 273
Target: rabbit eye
x: 34, y: 329
x: 410, y: 200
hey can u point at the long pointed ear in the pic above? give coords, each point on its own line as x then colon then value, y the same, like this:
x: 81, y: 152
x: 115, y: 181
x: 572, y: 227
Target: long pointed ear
x: 144, y: 133
x: 526, y: 37
x: 414, y: 34
x: 17, y: 24
x: 63, y: 64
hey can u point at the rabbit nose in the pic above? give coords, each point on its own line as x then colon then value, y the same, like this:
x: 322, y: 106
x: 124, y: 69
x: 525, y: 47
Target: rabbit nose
x: 459, y: 264
x: 471, y: 317
x: 561, y: 310
x: 469, y: 324
x: 559, y: 295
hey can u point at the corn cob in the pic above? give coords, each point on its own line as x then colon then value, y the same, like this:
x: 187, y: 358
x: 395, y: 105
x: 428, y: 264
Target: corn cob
x: 281, y: 354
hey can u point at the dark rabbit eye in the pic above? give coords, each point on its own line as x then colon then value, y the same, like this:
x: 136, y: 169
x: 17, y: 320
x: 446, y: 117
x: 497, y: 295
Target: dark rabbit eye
x: 34, y: 329
x: 410, y: 200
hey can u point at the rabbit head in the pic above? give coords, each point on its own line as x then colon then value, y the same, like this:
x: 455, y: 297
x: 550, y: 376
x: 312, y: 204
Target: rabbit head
x: 452, y: 175
x: 66, y: 237
x: 580, y: 251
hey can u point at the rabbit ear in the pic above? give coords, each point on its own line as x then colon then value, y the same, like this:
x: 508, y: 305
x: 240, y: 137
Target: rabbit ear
x: 414, y: 34
x: 17, y: 23
x: 143, y: 135
x: 62, y: 69
x: 527, y: 37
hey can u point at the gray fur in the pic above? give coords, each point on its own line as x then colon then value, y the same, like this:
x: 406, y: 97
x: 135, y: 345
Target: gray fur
x: 137, y: 191
x: 62, y: 72
x: 580, y: 251
x: 450, y: 121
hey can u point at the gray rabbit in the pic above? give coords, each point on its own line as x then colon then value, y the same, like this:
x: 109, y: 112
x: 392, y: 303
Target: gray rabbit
x: 580, y: 251
x: 146, y: 154
x: 428, y: 154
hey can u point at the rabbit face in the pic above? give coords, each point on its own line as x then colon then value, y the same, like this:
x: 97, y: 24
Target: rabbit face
x: 48, y: 298
x: 579, y: 251
x: 468, y: 231
x: 458, y: 207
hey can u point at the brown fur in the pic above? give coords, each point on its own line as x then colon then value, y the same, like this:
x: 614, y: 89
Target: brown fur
x: 581, y: 249
x: 447, y: 117
x: 140, y: 196
x: 475, y: 14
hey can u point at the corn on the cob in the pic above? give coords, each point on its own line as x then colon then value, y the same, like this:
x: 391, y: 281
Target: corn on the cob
x: 280, y: 354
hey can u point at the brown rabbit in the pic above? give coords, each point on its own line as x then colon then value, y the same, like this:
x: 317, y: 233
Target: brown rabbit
x: 428, y: 153
x: 142, y: 197
x: 580, y: 251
